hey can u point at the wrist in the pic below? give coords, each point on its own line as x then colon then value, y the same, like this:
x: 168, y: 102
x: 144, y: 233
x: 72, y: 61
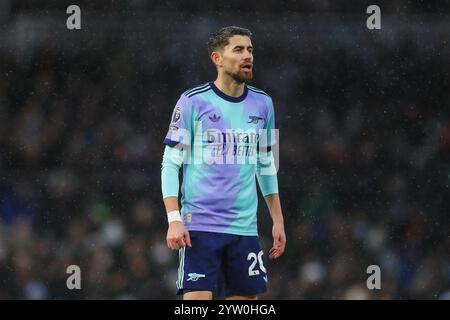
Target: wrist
x: 173, y: 215
x: 278, y: 222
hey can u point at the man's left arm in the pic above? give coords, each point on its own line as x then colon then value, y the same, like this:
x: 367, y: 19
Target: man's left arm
x: 266, y: 173
x: 268, y: 184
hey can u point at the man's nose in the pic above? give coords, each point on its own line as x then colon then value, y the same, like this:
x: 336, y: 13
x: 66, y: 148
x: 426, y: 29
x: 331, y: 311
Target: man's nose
x: 248, y: 55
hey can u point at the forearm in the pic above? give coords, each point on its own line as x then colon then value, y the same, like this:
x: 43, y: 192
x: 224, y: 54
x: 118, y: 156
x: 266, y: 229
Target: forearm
x: 171, y: 204
x: 274, y: 206
x: 266, y: 173
x: 172, y: 161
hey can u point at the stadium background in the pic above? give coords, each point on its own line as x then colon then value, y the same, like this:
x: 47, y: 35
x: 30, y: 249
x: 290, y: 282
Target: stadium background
x: 364, y: 143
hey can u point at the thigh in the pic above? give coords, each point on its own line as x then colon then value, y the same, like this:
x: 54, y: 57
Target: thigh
x: 244, y: 267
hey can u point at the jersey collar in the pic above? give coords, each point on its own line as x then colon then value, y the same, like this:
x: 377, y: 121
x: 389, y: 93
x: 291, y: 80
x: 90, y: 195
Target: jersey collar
x: 227, y: 97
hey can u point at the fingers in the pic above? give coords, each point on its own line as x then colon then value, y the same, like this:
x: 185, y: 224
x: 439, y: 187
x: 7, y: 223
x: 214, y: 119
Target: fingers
x: 181, y: 243
x: 172, y: 244
x: 279, y: 244
x: 273, y: 253
x: 175, y: 243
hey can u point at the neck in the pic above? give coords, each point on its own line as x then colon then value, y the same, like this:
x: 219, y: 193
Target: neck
x: 229, y: 86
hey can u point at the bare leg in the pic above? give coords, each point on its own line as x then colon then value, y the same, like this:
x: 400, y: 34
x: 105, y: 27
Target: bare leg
x: 198, y: 295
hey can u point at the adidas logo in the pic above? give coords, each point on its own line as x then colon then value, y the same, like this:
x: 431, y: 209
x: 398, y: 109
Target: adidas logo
x: 214, y: 118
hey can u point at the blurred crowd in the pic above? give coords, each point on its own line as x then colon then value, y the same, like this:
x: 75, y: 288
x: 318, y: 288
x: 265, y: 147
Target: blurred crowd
x: 364, y: 167
x: 193, y: 6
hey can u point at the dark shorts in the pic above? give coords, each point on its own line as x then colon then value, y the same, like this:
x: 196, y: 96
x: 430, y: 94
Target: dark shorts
x: 224, y: 264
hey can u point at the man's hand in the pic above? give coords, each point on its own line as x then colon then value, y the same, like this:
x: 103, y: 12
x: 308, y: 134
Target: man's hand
x: 177, y: 236
x: 279, y: 241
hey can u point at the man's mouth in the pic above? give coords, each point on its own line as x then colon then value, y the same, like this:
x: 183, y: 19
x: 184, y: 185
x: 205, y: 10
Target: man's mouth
x: 247, y: 67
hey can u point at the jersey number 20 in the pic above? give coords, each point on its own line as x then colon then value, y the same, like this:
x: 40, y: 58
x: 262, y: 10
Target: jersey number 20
x: 255, y: 259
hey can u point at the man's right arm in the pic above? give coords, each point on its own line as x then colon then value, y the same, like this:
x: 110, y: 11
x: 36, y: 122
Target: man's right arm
x: 177, y: 140
x: 177, y: 234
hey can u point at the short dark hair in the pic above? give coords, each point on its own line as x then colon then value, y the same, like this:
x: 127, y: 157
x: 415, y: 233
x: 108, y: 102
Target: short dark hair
x: 219, y: 39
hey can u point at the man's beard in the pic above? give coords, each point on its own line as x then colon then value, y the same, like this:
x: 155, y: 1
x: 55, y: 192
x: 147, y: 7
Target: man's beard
x: 242, y: 77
